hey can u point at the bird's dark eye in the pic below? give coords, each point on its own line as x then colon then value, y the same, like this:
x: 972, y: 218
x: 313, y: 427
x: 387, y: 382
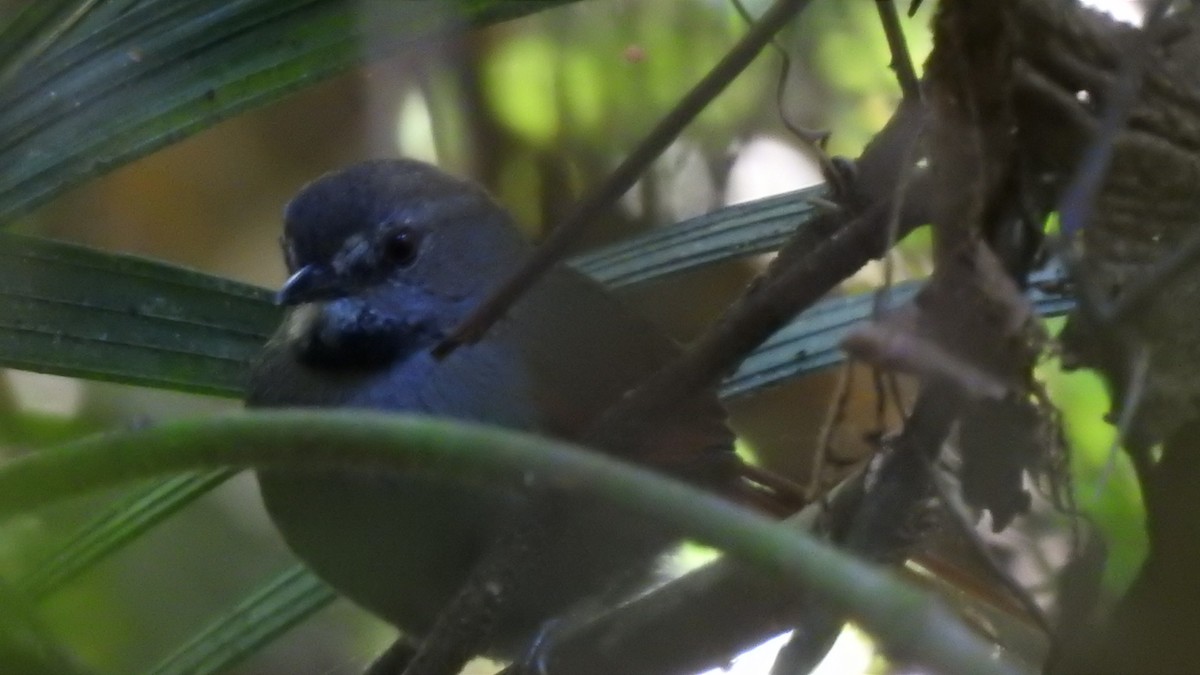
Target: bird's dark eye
x: 402, y: 245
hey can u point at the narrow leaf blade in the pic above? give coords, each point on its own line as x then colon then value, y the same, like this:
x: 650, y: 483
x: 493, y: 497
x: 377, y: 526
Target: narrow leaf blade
x: 70, y: 310
x: 283, y: 602
x: 116, y: 526
x: 160, y: 70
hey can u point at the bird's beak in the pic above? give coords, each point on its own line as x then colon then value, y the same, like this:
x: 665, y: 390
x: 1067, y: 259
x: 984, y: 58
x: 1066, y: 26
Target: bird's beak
x: 307, y: 284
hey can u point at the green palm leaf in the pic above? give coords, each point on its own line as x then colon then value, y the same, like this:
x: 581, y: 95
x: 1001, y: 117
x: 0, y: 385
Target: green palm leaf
x: 88, y: 86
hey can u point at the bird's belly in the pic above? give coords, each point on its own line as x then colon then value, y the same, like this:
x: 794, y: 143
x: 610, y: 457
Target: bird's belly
x: 402, y: 545
x: 398, y: 545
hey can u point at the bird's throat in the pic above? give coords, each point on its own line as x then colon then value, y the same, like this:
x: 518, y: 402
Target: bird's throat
x: 347, y: 333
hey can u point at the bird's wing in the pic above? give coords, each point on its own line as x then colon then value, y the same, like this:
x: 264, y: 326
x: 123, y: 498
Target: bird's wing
x: 587, y: 349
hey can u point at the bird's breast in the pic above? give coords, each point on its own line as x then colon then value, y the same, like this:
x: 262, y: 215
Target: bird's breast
x: 365, y: 531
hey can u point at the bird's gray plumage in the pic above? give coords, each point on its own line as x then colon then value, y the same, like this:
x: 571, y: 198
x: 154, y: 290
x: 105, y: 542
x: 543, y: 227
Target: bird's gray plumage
x: 401, y: 545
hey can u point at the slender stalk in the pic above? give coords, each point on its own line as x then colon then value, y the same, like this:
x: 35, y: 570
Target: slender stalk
x: 911, y: 624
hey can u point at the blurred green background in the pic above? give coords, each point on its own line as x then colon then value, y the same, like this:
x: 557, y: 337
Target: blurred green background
x: 537, y: 108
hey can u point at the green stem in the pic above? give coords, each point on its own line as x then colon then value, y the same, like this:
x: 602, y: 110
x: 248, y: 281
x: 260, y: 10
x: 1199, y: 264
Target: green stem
x: 911, y: 624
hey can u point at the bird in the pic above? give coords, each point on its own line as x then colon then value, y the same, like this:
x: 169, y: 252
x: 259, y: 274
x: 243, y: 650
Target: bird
x: 385, y: 258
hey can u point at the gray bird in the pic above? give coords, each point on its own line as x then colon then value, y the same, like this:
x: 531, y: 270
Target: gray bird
x: 385, y: 258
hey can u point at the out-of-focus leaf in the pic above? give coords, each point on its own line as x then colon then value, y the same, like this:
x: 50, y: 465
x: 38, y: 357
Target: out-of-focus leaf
x: 607, y: 65
x: 485, y: 454
x: 36, y: 429
x: 133, y: 77
x: 264, y: 615
x: 117, y: 525
x: 33, y: 27
x: 26, y: 646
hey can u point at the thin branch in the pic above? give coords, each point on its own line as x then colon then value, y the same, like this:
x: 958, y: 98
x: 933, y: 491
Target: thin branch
x: 623, y: 177
x: 814, y: 140
x: 817, y: 258
x: 465, y: 625
x: 834, y: 417
x: 902, y: 65
x: 899, y: 194
x: 802, y: 273
x: 1131, y: 401
x: 877, y: 527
